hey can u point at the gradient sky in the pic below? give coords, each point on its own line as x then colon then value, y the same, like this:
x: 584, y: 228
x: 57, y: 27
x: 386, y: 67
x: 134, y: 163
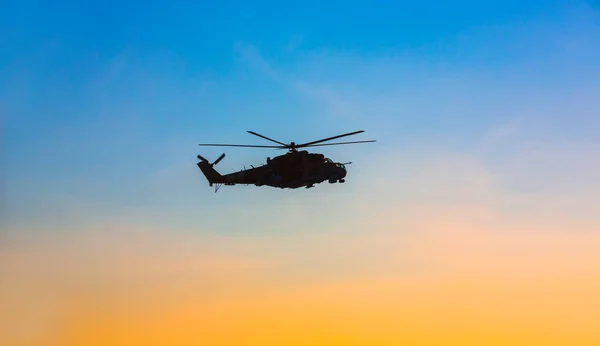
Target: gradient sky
x: 474, y: 219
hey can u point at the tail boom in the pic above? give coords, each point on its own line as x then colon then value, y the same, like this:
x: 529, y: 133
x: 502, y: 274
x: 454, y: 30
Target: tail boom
x: 252, y: 176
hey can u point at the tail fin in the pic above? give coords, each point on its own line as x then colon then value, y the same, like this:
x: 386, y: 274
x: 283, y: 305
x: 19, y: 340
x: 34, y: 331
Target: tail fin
x: 209, y: 172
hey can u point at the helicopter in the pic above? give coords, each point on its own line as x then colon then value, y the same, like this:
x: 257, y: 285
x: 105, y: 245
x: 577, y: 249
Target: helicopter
x: 294, y: 169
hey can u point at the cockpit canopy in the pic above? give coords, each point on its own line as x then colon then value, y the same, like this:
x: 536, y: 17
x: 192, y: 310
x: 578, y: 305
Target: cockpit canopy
x: 337, y: 164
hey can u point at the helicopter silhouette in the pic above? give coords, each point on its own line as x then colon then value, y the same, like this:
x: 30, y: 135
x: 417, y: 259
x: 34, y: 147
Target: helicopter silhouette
x: 294, y: 169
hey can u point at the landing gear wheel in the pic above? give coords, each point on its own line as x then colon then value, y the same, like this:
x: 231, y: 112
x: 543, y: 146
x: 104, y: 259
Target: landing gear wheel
x: 332, y: 181
x: 342, y: 181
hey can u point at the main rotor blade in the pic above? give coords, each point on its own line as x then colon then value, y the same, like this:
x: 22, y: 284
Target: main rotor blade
x: 267, y: 138
x: 328, y: 139
x: 322, y: 145
x: 241, y: 145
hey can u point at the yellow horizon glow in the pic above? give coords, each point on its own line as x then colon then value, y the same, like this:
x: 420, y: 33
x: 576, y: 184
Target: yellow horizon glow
x: 468, y: 287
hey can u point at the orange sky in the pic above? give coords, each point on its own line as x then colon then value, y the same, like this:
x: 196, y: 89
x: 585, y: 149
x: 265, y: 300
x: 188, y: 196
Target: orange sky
x: 453, y: 284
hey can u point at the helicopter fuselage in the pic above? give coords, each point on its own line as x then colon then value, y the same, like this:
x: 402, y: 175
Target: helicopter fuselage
x: 291, y: 170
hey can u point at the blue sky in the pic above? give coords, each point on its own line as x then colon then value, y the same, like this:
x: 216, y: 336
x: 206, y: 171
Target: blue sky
x: 103, y: 103
x: 482, y: 186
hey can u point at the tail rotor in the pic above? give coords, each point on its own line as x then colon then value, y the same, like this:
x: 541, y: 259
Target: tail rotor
x: 211, y: 164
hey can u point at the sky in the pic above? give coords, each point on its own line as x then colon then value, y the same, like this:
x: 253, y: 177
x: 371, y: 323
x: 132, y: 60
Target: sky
x: 474, y: 219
